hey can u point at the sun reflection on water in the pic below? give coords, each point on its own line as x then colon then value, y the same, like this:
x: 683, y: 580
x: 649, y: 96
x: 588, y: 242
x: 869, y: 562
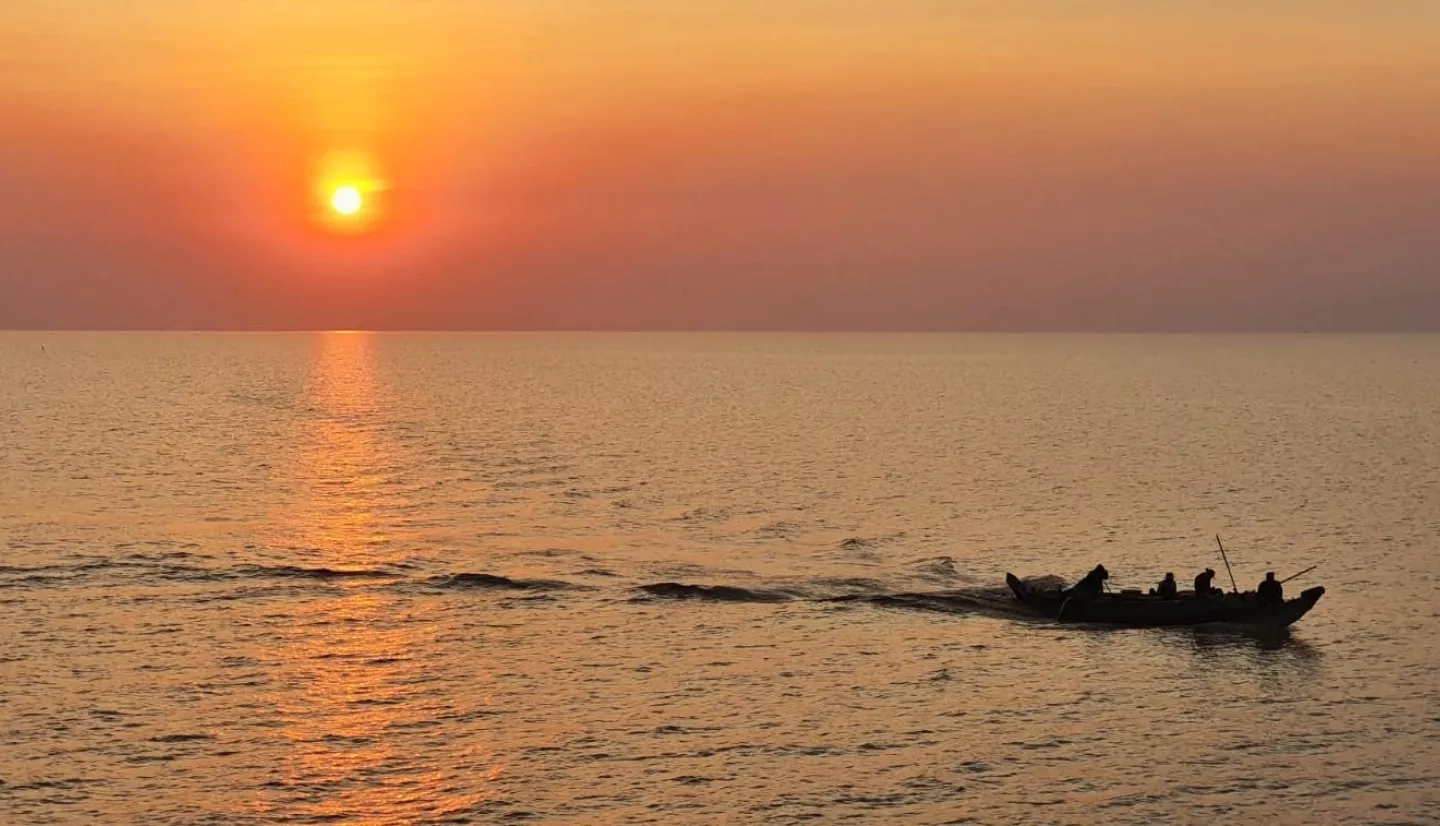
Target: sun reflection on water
x: 354, y: 650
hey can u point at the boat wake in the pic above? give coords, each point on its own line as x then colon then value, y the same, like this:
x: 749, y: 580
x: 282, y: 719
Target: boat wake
x: 298, y: 572
x: 502, y: 583
x: 712, y: 593
x: 241, y: 580
x: 982, y: 601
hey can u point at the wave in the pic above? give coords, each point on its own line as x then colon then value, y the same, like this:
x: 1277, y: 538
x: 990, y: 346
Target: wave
x: 298, y: 572
x: 703, y: 514
x: 988, y: 601
x: 713, y: 593
x: 940, y: 567
x: 94, y: 571
x: 856, y: 543
x: 849, y: 583
x: 481, y: 580
x: 181, y: 738
x: 991, y: 602
x: 29, y: 569
x: 137, y: 568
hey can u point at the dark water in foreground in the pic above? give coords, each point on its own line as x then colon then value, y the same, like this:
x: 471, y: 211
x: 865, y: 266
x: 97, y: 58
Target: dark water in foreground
x: 380, y: 579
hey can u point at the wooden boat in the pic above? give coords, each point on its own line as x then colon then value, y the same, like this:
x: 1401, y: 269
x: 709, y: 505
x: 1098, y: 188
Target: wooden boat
x: 1132, y: 608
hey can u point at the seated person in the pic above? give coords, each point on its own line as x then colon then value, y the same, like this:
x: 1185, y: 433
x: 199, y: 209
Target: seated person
x: 1167, y: 587
x: 1271, y: 592
x: 1203, y: 588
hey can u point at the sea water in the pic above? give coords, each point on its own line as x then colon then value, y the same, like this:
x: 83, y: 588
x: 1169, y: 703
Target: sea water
x: 432, y: 579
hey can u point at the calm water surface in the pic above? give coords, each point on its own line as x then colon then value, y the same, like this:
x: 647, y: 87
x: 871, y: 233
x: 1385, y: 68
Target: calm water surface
x: 426, y: 579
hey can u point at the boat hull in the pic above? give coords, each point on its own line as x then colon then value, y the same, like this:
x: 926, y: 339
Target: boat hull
x: 1149, y: 611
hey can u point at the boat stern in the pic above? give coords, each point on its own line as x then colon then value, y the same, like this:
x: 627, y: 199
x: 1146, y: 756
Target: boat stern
x: 1020, y: 588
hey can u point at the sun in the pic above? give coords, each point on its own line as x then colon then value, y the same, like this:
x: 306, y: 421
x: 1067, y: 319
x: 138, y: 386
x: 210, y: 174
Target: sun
x: 350, y: 193
x: 346, y: 199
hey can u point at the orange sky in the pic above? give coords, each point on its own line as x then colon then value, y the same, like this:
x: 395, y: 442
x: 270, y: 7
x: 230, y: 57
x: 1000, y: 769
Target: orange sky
x: 735, y: 165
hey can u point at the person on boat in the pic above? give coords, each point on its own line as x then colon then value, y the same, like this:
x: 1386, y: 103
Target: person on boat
x: 1091, y: 586
x: 1203, y: 588
x: 1167, y: 587
x: 1271, y: 592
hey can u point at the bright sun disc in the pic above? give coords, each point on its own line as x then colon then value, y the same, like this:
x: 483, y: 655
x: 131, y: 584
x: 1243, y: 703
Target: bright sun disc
x: 346, y: 200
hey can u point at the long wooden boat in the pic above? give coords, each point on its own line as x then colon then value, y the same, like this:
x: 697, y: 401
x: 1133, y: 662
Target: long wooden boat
x: 1142, y: 610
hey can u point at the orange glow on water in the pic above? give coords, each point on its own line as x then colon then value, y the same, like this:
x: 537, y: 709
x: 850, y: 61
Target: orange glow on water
x: 352, y: 655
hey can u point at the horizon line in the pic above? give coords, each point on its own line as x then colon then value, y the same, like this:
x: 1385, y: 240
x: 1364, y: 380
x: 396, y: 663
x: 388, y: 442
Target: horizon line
x: 695, y: 331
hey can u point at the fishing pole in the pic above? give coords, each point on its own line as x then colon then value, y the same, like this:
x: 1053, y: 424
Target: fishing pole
x: 1233, y: 587
x: 1302, y: 573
